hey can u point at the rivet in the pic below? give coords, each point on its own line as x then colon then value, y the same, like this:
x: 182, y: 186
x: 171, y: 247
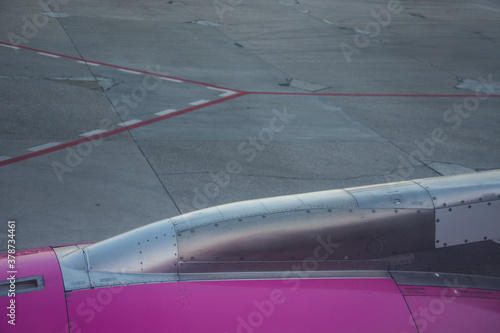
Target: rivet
x: 433, y: 198
x: 437, y: 241
x: 485, y: 237
x: 445, y: 244
x: 489, y: 203
x: 449, y: 209
x: 466, y: 241
x: 192, y: 230
x: 469, y: 206
x: 444, y: 205
x: 192, y: 258
x: 373, y: 210
x: 438, y: 220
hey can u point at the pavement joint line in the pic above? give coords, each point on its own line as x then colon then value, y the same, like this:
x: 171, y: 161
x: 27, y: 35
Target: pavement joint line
x: 49, y: 55
x: 94, y: 132
x: 129, y: 71
x: 129, y: 122
x: 200, y: 102
x: 114, y: 131
x: 164, y: 112
x: 44, y: 146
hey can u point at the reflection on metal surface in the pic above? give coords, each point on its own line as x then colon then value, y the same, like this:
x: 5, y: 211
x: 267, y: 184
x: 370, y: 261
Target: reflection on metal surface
x: 399, y: 226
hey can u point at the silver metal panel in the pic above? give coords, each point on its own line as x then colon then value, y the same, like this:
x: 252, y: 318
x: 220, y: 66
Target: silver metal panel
x: 463, y: 189
x: 106, y: 279
x: 433, y: 279
x: 404, y: 195
x: 200, y: 218
x: 328, y: 199
x: 467, y: 223
x: 486, y: 282
x: 324, y: 199
x: 334, y: 274
x: 150, y: 249
x: 336, y: 234
x: 73, y: 267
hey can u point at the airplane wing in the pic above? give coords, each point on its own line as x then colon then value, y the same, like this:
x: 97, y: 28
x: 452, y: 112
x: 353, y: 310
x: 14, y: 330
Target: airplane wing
x: 413, y: 256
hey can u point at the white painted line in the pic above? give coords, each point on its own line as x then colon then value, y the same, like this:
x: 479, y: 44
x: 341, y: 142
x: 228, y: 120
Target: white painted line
x: 171, y: 80
x: 45, y: 146
x: 3, y: 158
x: 162, y: 113
x: 228, y: 93
x: 225, y: 91
x: 94, y: 132
x: 201, y: 101
x: 129, y: 71
x: 130, y: 122
x: 10, y: 46
x: 87, y: 63
x: 49, y: 55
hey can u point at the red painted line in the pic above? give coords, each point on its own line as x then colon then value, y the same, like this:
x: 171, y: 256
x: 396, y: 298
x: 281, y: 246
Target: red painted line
x: 114, y: 131
x: 364, y: 95
x: 119, y: 67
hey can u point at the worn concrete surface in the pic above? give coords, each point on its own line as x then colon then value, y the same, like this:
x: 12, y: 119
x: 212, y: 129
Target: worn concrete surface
x: 243, y: 128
